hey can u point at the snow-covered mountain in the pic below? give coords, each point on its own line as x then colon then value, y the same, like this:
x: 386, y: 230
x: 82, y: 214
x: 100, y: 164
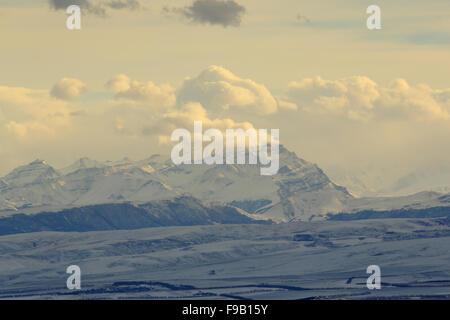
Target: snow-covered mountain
x: 300, y: 190
x: 392, y: 181
x: 180, y: 211
x: 34, y: 184
x: 432, y: 178
x: 82, y: 163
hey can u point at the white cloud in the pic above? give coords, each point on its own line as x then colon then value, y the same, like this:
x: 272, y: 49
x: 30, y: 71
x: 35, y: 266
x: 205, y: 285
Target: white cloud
x: 219, y: 90
x: 360, y: 98
x: 31, y: 113
x: 119, y: 83
x: 185, y: 116
x: 216, y: 97
x: 346, y: 121
x: 68, y: 88
x: 419, y: 102
x: 147, y: 92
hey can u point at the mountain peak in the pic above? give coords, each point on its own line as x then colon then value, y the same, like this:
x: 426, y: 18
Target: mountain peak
x: 39, y: 162
x: 291, y: 192
x: 82, y: 163
x: 34, y: 172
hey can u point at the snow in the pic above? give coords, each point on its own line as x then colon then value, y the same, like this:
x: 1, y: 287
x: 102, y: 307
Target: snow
x: 92, y: 182
x: 395, y: 180
x: 300, y: 190
x: 251, y: 261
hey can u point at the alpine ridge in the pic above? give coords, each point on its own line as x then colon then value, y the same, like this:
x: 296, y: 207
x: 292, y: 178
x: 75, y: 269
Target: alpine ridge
x: 300, y: 190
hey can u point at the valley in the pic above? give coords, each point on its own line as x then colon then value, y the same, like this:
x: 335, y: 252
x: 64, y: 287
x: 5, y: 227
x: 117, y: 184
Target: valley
x: 250, y: 261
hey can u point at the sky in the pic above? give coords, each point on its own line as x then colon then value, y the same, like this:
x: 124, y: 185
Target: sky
x: 342, y: 96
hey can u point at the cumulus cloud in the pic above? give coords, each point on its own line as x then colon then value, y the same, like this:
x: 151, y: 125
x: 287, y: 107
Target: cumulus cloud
x: 185, y: 116
x: 400, y: 99
x: 31, y: 113
x: 346, y: 121
x: 360, y: 98
x: 68, y: 88
x: 97, y: 7
x: 147, y: 92
x: 218, y: 90
x: 214, y: 12
x: 190, y: 112
x: 216, y: 97
x: 119, y: 83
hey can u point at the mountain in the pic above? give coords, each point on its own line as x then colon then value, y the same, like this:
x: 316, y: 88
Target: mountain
x: 36, y: 172
x: 182, y: 211
x: 82, y: 163
x: 300, y: 190
x: 395, y: 180
x: 430, y: 178
x: 31, y: 185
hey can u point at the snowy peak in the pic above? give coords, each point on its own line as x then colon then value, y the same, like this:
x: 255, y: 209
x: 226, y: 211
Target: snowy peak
x: 82, y: 163
x: 299, y: 190
x: 157, y: 162
x: 38, y: 171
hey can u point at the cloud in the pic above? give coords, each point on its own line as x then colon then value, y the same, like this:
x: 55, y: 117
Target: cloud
x: 360, y: 98
x: 214, y: 12
x: 190, y: 112
x: 185, y: 116
x: 219, y: 90
x: 31, y: 113
x: 88, y: 5
x: 63, y: 4
x: 146, y: 92
x: 124, y: 4
x: 119, y: 83
x: 24, y: 129
x: 286, y: 105
x: 97, y: 7
x: 68, y: 88
x: 350, y: 121
x: 216, y: 97
x: 420, y: 102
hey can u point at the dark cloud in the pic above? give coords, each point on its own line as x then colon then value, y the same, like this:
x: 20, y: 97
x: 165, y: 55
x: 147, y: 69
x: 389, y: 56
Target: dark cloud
x: 63, y: 4
x: 97, y: 7
x: 215, y: 12
x: 87, y: 5
x: 124, y: 4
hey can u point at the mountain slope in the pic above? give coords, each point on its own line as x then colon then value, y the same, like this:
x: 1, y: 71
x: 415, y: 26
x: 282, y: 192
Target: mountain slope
x: 183, y: 211
x: 434, y: 178
x: 35, y: 184
x: 300, y: 190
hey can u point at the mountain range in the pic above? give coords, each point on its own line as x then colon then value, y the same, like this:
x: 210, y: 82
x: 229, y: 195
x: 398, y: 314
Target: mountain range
x: 299, y: 191
x: 392, y: 181
x: 180, y: 211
